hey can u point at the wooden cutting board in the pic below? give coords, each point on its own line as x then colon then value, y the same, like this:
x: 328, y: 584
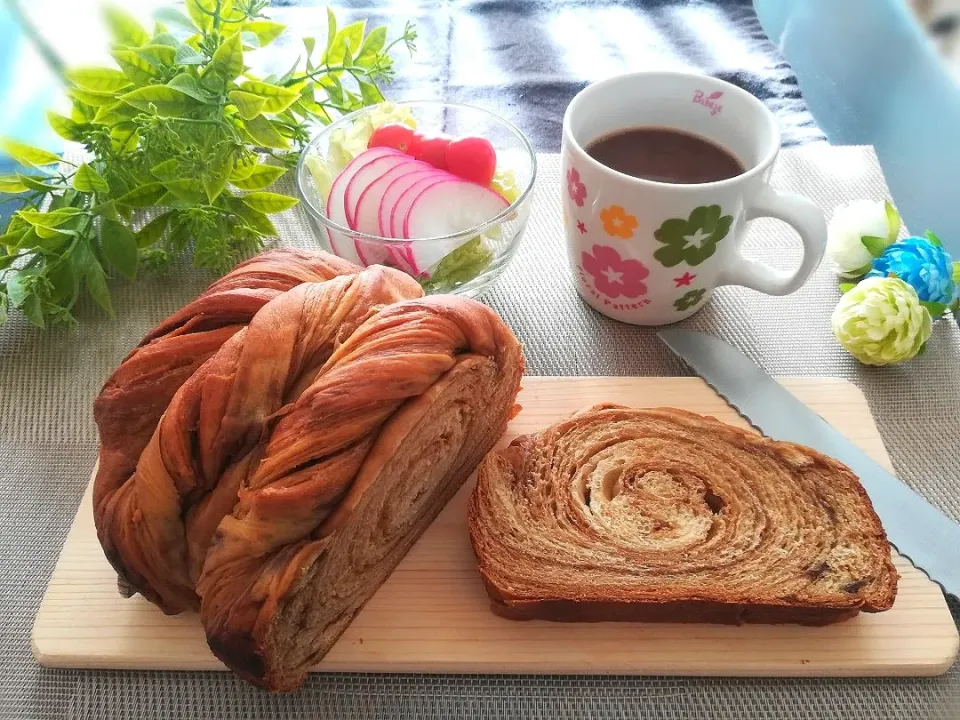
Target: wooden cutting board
x: 432, y: 614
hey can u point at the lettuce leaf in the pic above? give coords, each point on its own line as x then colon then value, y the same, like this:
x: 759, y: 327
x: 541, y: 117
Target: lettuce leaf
x: 460, y: 266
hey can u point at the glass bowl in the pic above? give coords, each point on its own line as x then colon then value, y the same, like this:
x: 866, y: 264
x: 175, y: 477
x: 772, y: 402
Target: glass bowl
x: 465, y: 262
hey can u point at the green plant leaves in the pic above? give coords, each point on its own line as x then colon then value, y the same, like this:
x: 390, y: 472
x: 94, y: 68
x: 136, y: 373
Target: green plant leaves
x: 124, y: 28
x: 372, y: 46
x: 345, y: 43
x: 276, y: 98
x: 115, y: 113
x: 40, y: 183
x: 27, y: 154
x: 168, y: 170
x: 143, y: 195
x: 248, y: 104
x: 167, y: 100
x: 227, y: 61
x: 244, y: 166
x: 135, y: 67
x: 64, y: 126
x: 255, y: 219
x: 124, y: 137
x: 88, y: 180
x: 267, y: 202
x: 119, y: 246
x: 263, y: 133
x: 893, y: 221
x: 94, y: 277
x: 33, y: 311
x: 80, y: 112
x: 874, y: 245
x: 201, y: 12
x: 17, y: 289
x: 158, y: 55
x: 216, y: 178
x: 98, y: 79
x: 932, y: 237
x: 187, y: 55
x: 266, y: 30
x: 261, y: 177
x: 190, y: 191
x: 331, y: 27
x: 189, y: 85
x: 65, y: 282
x: 846, y: 287
x: 153, y: 231
x: 175, y: 122
x: 369, y: 93
x: 175, y: 18
x: 934, y: 308
x: 12, y: 185
x: 49, y: 220
x: 91, y: 98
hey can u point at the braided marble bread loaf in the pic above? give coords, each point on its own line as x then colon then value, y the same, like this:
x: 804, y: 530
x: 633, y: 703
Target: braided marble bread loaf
x: 293, y: 469
x: 665, y: 515
x: 139, y: 390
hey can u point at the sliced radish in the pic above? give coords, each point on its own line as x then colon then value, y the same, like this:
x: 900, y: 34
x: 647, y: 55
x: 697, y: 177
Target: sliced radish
x: 446, y: 208
x: 375, y: 252
x: 451, y: 207
x: 362, y: 179
x: 366, y: 217
x: 393, y: 192
x: 401, y: 255
x: 399, y: 213
x: 340, y: 243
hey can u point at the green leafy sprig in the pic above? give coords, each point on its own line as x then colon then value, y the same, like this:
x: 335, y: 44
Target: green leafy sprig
x: 183, y: 129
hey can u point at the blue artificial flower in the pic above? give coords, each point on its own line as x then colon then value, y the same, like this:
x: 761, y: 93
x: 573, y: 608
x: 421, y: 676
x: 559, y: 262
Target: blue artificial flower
x: 927, y: 267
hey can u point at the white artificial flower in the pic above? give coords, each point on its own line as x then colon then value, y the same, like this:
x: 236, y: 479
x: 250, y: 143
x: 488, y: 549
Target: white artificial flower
x: 848, y: 224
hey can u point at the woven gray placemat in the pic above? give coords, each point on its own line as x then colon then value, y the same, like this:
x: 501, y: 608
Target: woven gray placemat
x: 48, y: 444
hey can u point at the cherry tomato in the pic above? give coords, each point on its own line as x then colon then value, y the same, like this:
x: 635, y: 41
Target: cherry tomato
x: 473, y: 159
x: 392, y: 135
x: 413, y: 147
x: 432, y: 149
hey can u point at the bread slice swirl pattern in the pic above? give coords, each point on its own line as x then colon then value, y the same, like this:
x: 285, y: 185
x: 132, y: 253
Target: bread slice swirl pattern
x: 666, y: 515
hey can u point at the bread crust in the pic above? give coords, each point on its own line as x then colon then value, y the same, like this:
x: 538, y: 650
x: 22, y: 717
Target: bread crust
x: 548, y: 548
x: 284, y: 471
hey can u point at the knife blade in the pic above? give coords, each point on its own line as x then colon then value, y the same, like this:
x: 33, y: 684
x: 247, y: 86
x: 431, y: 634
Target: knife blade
x: 919, y: 531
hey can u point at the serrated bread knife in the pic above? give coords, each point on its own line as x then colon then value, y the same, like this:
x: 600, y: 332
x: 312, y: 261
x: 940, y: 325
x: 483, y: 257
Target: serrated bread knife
x: 927, y: 537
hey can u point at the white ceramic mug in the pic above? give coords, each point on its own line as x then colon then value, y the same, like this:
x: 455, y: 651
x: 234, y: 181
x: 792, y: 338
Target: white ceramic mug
x: 651, y: 253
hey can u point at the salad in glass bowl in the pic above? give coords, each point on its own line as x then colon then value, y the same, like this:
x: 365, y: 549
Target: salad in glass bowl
x: 438, y: 190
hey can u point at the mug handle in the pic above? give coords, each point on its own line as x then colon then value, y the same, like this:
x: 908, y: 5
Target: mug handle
x: 806, y: 218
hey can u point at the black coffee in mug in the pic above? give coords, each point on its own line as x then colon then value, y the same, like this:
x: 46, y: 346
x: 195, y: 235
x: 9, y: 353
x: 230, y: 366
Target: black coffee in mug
x: 665, y: 155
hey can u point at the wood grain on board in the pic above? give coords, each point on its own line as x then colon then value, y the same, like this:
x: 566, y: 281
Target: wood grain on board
x: 432, y: 614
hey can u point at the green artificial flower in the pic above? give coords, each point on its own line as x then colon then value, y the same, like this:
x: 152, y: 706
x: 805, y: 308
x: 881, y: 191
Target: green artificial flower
x: 689, y: 300
x: 881, y: 321
x: 692, y: 240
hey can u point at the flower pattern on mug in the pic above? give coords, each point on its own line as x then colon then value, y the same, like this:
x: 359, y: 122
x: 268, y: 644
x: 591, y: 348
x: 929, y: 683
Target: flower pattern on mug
x: 618, y: 222
x: 689, y: 300
x: 576, y: 189
x: 615, y: 276
x: 692, y: 240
